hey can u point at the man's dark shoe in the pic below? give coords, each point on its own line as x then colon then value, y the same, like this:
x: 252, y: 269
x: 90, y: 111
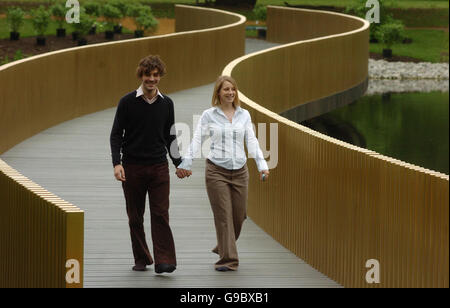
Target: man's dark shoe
x: 164, y: 268
x: 139, y: 268
x: 223, y: 269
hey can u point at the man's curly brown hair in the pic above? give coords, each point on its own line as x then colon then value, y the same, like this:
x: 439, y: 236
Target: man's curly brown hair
x: 148, y: 64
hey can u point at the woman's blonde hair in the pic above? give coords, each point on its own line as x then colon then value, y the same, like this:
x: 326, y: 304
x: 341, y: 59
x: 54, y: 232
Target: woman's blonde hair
x: 215, y: 98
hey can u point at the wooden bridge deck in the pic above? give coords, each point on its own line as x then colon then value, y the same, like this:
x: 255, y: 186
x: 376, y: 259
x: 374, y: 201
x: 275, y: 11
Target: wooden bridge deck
x: 73, y: 161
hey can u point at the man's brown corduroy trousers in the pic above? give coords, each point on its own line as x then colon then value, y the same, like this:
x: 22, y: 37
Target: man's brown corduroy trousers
x: 155, y: 181
x: 227, y: 192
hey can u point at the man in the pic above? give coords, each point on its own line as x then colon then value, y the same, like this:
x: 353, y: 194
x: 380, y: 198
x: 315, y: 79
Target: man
x: 142, y: 132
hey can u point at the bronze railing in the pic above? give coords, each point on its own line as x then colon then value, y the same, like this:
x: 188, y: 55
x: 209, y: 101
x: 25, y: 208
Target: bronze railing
x: 41, y: 234
x: 338, y: 207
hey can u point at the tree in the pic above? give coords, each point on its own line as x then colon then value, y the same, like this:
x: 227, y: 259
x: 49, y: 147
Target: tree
x: 143, y: 18
x: 41, y: 20
x: 92, y: 8
x: 15, y: 19
x: 83, y: 27
x: 358, y: 8
x: 389, y: 34
x: 59, y: 12
x: 112, y: 16
x: 260, y: 12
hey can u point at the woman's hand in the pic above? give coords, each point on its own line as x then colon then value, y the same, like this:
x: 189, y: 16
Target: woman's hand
x: 182, y: 173
x: 264, y: 175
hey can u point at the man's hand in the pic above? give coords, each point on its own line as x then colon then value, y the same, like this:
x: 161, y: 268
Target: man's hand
x: 182, y: 173
x: 119, y: 173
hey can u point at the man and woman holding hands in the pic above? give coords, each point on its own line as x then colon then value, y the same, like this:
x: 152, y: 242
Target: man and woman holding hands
x: 143, y: 133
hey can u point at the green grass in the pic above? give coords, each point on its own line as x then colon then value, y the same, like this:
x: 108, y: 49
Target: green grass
x: 421, y: 17
x: 339, y: 3
x: 427, y: 45
x: 251, y: 33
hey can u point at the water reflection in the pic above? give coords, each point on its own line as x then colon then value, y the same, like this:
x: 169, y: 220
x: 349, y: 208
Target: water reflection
x: 412, y: 127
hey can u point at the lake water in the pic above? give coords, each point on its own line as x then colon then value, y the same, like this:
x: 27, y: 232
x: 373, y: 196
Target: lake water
x: 411, y: 127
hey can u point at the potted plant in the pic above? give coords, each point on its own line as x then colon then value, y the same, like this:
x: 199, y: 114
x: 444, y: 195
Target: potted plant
x: 92, y: 9
x: 59, y: 12
x: 260, y: 12
x: 122, y: 6
x: 389, y: 34
x: 15, y: 19
x: 143, y: 19
x: 83, y: 27
x: 112, y: 16
x: 75, y: 35
x: 359, y: 9
x: 145, y: 22
x: 40, y: 18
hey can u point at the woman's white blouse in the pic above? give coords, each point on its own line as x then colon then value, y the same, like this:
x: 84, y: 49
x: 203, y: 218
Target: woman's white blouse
x: 227, y: 140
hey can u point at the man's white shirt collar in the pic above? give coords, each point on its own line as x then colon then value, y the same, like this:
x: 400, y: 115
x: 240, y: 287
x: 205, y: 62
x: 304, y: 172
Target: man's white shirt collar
x: 140, y: 92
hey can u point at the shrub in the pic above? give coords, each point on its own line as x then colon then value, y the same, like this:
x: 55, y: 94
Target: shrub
x: 58, y: 11
x: 15, y: 18
x: 146, y: 21
x: 85, y: 24
x: 390, y: 33
x: 359, y: 9
x: 260, y: 12
x: 40, y: 19
x: 121, y: 5
x: 92, y: 8
x: 135, y: 9
x: 111, y: 14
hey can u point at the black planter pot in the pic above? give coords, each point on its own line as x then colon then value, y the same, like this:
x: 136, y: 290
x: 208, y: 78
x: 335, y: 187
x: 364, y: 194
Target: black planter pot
x: 93, y: 30
x: 61, y: 32
x: 75, y: 36
x: 138, y: 33
x: 240, y: 3
x: 14, y: 36
x: 109, y: 35
x: 118, y: 29
x: 262, y: 33
x: 82, y: 41
x: 40, y: 40
x: 387, y: 53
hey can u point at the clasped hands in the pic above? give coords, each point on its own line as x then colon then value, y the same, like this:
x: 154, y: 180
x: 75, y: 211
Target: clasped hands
x: 119, y: 173
x: 182, y: 173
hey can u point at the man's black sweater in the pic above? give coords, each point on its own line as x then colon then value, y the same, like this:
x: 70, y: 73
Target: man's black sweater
x: 143, y: 131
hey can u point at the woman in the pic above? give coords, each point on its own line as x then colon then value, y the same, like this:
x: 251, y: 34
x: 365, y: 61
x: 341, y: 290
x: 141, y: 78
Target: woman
x: 228, y: 125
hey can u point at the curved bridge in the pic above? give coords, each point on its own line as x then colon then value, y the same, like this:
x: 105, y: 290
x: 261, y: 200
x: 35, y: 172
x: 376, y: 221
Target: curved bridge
x: 333, y: 205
